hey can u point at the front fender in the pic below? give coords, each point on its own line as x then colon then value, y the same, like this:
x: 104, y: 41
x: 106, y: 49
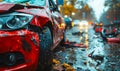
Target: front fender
x: 39, y: 21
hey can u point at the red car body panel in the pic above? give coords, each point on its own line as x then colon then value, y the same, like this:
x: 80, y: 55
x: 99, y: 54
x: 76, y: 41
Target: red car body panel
x: 25, y: 41
x: 113, y: 40
x: 98, y: 29
x: 15, y: 42
x: 5, y: 7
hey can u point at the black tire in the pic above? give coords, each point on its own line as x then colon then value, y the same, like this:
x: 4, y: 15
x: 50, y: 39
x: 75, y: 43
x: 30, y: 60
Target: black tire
x: 46, y: 55
x: 105, y: 36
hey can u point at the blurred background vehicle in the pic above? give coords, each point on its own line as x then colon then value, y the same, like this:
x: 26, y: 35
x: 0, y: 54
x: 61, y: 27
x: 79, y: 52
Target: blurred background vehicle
x: 76, y: 22
x: 83, y: 25
x: 98, y: 27
x: 111, y: 30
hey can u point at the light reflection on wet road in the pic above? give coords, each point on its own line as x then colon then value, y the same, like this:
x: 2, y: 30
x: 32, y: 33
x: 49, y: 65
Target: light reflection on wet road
x: 78, y: 57
x: 112, y: 51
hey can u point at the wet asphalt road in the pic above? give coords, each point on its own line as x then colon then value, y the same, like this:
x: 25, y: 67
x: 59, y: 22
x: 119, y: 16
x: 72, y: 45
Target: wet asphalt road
x: 77, y: 57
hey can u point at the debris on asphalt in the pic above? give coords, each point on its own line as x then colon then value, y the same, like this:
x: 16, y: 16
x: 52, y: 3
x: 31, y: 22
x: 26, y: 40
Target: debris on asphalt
x: 57, y: 66
x: 56, y: 62
x: 68, y: 67
x: 74, y: 44
x: 113, y: 40
x: 96, y: 57
x: 78, y: 33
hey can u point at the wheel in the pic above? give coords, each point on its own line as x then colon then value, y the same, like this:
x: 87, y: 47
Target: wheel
x: 103, y: 34
x: 110, y: 35
x: 46, y: 55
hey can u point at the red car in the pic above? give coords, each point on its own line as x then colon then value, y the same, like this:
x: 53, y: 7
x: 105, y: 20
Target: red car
x: 98, y: 28
x: 29, y: 31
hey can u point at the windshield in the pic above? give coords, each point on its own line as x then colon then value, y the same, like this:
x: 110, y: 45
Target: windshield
x: 31, y: 2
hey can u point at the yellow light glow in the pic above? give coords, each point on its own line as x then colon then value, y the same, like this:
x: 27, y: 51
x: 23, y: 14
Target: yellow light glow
x: 72, y: 24
x: 63, y: 24
x: 65, y: 16
x: 101, y: 24
x: 73, y: 13
x: 86, y: 40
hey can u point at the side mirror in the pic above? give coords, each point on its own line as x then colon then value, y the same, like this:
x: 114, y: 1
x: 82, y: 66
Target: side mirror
x: 60, y: 2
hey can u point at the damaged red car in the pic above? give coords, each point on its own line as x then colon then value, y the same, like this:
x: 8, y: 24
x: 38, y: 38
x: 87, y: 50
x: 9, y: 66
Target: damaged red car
x: 29, y: 31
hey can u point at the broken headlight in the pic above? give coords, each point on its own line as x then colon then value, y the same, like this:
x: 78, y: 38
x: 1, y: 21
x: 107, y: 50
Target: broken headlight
x: 14, y: 21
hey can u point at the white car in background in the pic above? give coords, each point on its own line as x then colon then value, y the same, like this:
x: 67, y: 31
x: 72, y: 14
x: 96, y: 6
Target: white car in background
x: 76, y: 22
x: 83, y: 25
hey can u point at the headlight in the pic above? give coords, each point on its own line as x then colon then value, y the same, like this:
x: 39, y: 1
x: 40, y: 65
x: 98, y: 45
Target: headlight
x: 83, y: 23
x: 14, y: 20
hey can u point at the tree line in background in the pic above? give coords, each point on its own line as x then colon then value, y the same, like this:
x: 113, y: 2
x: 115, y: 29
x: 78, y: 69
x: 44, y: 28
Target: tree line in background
x: 85, y: 12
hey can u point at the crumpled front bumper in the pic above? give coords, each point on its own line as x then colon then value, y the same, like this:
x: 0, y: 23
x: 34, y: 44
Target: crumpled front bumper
x: 23, y: 41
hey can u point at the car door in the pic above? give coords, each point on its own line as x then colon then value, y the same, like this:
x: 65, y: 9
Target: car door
x: 57, y: 20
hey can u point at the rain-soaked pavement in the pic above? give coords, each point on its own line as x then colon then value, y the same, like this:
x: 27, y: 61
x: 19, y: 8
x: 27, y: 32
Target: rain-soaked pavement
x: 97, y: 56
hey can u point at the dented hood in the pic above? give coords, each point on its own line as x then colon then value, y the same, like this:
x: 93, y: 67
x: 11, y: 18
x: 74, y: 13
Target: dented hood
x: 35, y: 10
x: 6, y: 7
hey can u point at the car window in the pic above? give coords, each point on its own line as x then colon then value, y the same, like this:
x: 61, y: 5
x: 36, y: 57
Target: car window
x: 31, y: 2
x: 52, y: 5
x: 39, y: 2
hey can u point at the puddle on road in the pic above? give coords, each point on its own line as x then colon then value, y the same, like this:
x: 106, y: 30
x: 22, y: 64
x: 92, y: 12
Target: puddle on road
x: 78, y: 57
